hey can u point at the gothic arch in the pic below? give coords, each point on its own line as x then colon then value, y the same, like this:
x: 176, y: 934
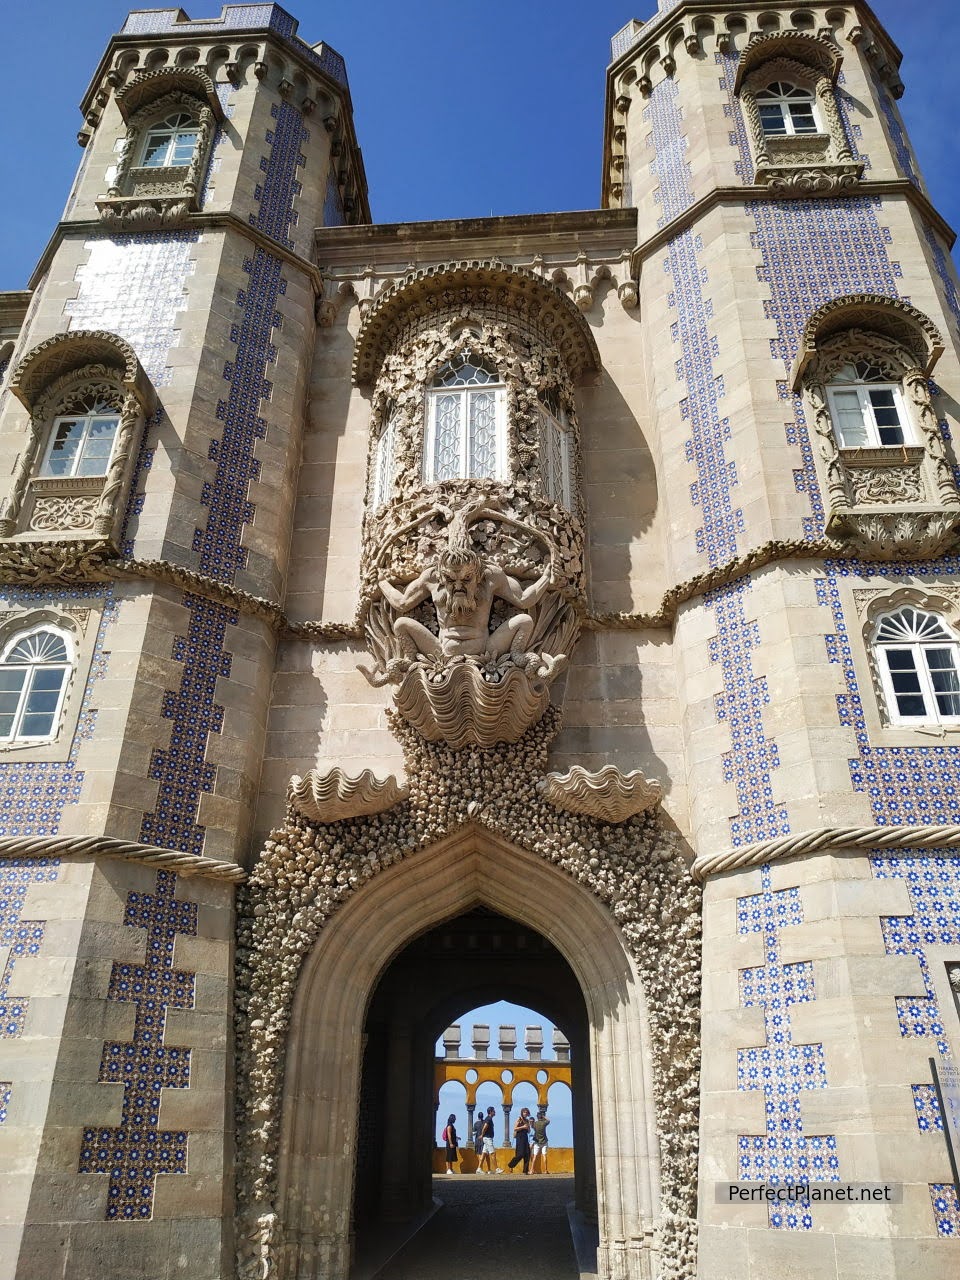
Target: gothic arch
x: 473, y: 867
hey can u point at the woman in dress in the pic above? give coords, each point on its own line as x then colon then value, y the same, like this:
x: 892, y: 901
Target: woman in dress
x: 449, y: 1136
x: 521, y: 1137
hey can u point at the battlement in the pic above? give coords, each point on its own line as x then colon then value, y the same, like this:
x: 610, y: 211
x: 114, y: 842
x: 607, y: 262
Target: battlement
x: 479, y: 1040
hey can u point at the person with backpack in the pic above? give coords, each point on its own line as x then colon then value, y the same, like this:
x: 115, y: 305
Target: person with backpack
x: 538, y: 1129
x: 449, y: 1137
x: 478, y: 1136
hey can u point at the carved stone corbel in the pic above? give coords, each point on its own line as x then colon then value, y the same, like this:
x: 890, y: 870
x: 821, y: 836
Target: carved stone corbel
x: 609, y: 795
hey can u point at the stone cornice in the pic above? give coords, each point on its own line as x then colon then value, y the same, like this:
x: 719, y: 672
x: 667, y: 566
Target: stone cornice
x: 743, y: 194
x: 93, y: 229
x: 945, y: 839
x: 407, y: 242
x: 51, y: 564
x: 184, y: 864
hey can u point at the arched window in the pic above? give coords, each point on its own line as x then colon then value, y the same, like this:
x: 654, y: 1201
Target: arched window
x: 81, y: 442
x: 171, y: 142
x: 381, y: 487
x: 465, y: 423
x: 866, y: 407
x: 786, y: 109
x: 555, y: 451
x: 919, y: 660
x: 34, y: 670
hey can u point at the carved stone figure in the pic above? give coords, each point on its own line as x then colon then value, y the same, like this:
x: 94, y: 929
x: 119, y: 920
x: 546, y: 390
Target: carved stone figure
x: 475, y: 665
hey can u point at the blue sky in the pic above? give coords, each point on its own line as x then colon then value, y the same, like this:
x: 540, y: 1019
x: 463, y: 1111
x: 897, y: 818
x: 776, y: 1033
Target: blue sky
x: 462, y: 110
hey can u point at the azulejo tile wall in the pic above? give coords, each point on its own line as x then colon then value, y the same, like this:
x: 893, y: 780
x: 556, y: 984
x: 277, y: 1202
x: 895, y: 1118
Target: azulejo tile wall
x: 181, y: 769
x: 134, y: 1152
x: 23, y: 938
x: 34, y: 793
x: 781, y: 1069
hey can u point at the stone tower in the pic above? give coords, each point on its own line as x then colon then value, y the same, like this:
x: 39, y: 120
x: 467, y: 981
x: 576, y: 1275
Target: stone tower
x: 562, y: 604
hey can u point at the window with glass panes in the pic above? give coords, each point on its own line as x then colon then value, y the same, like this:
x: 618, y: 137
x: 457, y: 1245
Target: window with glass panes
x: 382, y: 480
x: 171, y: 142
x: 466, y: 423
x: 81, y: 443
x: 33, y: 680
x: 919, y: 658
x: 786, y: 109
x: 866, y: 408
x: 555, y: 451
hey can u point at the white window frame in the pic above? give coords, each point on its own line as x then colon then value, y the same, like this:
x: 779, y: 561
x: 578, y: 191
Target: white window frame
x: 87, y: 419
x: 867, y: 412
x: 550, y: 424
x: 500, y: 429
x: 163, y: 129
x: 763, y: 98
x: 381, y: 489
x: 932, y: 713
x: 67, y: 667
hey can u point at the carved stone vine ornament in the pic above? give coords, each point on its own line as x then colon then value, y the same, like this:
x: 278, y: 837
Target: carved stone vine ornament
x: 308, y: 870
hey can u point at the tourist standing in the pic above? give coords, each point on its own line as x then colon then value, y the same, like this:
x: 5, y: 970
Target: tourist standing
x: 488, y: 1150
x: 521, y: 1138
x: 449, y: 1136
x: 540, y: 1143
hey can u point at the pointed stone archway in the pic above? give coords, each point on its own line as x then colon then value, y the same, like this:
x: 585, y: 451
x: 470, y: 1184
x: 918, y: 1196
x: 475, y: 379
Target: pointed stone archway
x: 318, y: 1144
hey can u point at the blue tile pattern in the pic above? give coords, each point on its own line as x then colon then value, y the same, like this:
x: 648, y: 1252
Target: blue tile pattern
x: 133, y: 285
x: 181, y: 769
x: 23, y: 937
x: 34, y: 793
x: 941, y: 266
x: 946, y: 1208
x: 135, y: 1151
x: 906, y: 161
x: 670, y: 165
x: 929, y: 1117
x: 780, y: 1068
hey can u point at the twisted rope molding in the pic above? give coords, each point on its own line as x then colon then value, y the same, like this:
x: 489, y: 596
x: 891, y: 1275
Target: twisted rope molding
x: 61, y: 564
x: 185, y: 864
x: 754, y: 855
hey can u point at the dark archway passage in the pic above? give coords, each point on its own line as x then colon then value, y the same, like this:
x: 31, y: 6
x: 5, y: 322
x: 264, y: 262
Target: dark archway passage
x: 477, y: 958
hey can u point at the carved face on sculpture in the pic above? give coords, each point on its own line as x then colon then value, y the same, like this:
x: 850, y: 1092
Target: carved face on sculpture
x: 460, y: 573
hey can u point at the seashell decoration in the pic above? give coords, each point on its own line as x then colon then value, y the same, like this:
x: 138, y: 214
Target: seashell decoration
x: 335, y: 796
x: 610, y: 796
x: 458, y: 706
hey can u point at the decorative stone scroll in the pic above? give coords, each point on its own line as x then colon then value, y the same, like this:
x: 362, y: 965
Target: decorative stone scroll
x: 335, y: 796
x: 608, y: 796
x: 307, y: 871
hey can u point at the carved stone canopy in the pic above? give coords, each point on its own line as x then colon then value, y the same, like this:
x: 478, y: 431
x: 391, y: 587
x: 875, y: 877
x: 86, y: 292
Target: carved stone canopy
x: 75, y: 349
x: 873, y: 313
x: 147, y: 86
x: 486, y: 281
x: 817, y: 52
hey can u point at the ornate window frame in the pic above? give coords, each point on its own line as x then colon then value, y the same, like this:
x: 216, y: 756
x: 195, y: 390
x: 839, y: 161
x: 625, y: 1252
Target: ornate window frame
x: 435, y: 389
x: 148, y: 196
x: 890, y: 501
x: 871, y: 604
x: 801, y: 164
x: 79, y: 623
x: 50, y: 381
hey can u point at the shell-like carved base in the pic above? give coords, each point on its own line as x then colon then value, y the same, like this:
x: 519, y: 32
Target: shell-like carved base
x: 458, y: 705
x: 334, y: 796
x: 610, y: 796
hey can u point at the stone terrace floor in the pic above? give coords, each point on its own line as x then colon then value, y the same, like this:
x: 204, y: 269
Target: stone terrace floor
x: 494, y: 1227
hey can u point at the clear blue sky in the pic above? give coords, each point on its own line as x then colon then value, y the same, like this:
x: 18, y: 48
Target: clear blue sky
x: 462, y: 109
